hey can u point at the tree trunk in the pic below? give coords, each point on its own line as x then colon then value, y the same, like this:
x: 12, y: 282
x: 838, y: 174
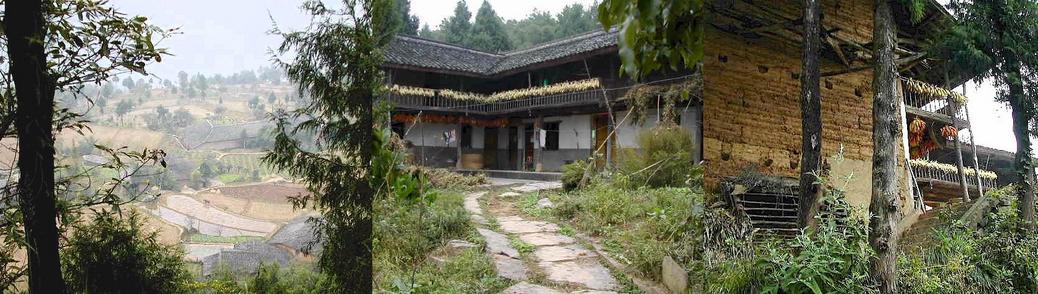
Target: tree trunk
x: 811, y: 117
x: 35, y: 101
x: 362, y: 228
x: 884, y: 209
x: 1023, y: 164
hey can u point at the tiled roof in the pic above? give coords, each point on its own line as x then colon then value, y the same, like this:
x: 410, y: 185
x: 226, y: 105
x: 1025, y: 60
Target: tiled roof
x: 245, y: 258
x: 422, y: 53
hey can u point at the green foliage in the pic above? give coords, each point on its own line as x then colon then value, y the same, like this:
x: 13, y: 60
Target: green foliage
x: 407, y: 231
x: 575, y: 172
x: 664, y: 159
x: 995, y: 258
x: 113, y: 255
x: 488, y: 31
x: 408, y: 22
x: 203, y: 238
x: 336, y: 63
x: 442, y: 178
x: 270, y: 278
x: 639, y: 226
x: 832, y: 259
x: 456, y: 28
x: 656, y: 34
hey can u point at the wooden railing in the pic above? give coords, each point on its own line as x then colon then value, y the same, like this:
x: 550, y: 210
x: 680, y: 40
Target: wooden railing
x: 940, y: 108
x: 587, y: 97
x: 923, y: 173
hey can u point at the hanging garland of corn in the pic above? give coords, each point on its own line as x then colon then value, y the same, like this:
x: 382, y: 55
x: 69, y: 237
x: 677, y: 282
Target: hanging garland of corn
x: 926, y: 89
x: 948, y: 168
x: 559, y: 88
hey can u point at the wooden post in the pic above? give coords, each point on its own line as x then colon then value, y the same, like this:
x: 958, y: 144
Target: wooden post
x: 958, y: 147
x: 811, y: 118
x: 612, y: 119
x: 538, y: 145
x: 457, y: 144
x: 520, y: 147
x: 973, y: 144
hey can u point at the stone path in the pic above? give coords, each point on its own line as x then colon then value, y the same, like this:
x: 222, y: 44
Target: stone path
x: 561, y: 260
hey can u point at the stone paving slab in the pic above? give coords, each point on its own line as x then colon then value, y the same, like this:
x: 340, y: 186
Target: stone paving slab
x: 562, y: 253
x: 527, y: 288
x: 538, y: 186
x: 508, y: 194
x: 546, y: 239
x: 585, y: 272
x: 472, y: 202
x: 526, y: 226
x: 498, y: 243
x: 510, y: 268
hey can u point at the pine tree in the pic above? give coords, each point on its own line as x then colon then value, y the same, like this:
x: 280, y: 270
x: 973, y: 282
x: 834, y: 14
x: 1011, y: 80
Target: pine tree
x: 456, y: 28
x: 408, y: 22
x: 488, y: 31
x: 575, y: 20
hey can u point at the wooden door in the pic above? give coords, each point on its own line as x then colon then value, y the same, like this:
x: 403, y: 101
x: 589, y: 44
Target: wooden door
x: 600, y: 124
x: 490, y: 148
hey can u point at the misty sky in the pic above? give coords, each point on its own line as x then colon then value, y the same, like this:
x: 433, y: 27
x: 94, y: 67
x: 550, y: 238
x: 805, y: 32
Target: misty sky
x: 226, y: 36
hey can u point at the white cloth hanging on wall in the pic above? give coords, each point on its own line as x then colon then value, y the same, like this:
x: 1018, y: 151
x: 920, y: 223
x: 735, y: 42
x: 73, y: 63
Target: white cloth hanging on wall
x: 542, y: 137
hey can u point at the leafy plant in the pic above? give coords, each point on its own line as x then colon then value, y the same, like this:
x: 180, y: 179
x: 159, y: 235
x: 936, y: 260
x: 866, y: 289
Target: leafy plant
x: 664, y: 159
x: 113, y: 255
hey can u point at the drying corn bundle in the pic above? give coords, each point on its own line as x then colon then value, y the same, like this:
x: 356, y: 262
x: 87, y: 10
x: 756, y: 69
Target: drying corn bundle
x: 948, y: 168
x: 922, y: 88
x: 553, y: 89
x: 949, y: 132
x: 916, y: 132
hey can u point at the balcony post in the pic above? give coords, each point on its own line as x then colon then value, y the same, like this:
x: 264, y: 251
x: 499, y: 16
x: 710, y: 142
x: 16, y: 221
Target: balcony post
x: 958, y: 147
x: 973, y: 144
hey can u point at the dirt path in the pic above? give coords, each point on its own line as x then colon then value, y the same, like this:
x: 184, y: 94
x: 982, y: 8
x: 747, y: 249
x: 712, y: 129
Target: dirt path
x: 553, y: 262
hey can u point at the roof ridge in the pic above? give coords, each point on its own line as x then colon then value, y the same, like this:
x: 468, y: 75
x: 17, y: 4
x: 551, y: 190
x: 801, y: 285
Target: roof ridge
x: 445, y: 44
x: 576, y: 37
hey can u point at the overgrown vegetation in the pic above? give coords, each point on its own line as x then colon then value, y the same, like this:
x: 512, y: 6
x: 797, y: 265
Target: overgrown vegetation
x: 648, y: 208
x: 663, y: 159
x: 112, y: 254
x: 997, y: 257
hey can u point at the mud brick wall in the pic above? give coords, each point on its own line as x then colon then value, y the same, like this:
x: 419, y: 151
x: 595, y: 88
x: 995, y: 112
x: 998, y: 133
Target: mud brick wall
x: 752, y: 109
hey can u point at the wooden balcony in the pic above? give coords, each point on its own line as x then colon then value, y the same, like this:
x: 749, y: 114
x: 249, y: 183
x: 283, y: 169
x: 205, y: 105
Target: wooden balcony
x: 931, y: 107
x: 554, y: 101
x: 941, y: 184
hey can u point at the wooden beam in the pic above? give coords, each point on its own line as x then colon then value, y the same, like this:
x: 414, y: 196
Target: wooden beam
x: 899, y: 62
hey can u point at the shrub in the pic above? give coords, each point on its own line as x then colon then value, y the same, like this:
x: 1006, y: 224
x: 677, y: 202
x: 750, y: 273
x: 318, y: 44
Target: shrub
x: 446, y: 179
x: 573, y: 173
x: 664, y: 158
x: 832, y: 259
x: 113, y: 255
x: 995, y: 258
x: 641, y: 226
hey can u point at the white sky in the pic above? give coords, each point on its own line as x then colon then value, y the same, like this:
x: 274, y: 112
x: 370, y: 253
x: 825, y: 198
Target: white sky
x: 231, y: 35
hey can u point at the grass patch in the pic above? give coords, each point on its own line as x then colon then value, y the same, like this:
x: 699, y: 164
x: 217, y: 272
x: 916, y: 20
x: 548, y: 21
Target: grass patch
x: 406, y: 232
x: 521, y: 246
x: 203, y: 238
x: 639, y: 226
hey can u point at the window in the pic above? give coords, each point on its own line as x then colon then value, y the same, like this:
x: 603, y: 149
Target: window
x: 551, y: 137
x: 466, y: 136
